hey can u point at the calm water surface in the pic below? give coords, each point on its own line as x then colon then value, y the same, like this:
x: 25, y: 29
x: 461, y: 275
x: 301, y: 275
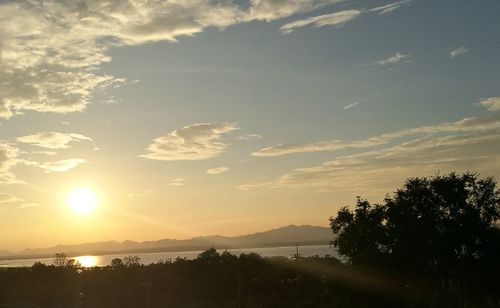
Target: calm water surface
x: 148, y: 258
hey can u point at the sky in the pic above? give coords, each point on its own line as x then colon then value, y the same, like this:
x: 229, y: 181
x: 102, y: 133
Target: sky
x: 198, y: 117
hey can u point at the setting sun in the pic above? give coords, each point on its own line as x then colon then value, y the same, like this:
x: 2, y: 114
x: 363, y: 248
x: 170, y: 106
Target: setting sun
x: 82, y: 200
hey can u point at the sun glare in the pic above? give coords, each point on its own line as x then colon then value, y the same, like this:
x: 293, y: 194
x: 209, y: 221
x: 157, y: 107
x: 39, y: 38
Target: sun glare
x: 87, y: 261
x: 82, y: 200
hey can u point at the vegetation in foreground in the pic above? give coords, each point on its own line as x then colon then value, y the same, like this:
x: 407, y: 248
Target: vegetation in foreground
x: 436, y: 240
x: 434, y: 243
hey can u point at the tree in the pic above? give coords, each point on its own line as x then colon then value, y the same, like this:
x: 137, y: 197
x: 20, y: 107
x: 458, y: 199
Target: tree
x: 117, y: 263
x: 362, y: 237
x: 209, y: 256
x: 131, y: 261
x: 443, y: 228
x: 60, y: 259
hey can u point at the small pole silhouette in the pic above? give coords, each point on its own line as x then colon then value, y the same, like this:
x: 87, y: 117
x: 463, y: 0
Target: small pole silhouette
x: 296, y: 256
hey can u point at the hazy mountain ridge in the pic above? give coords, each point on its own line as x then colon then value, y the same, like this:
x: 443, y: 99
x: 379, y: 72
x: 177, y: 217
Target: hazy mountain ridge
x: 289, y: 235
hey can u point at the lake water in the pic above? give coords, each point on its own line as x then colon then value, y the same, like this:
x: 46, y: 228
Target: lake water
x: 148, y: 258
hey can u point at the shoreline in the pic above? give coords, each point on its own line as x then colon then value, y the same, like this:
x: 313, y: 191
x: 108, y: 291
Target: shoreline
x: 161, y: 250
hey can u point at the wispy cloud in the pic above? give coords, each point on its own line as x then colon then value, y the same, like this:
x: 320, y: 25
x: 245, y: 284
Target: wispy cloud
x: 350, y: 106
x: 27, y: 205
x: 463, y: 126
x: 194, y: 142
x: 249, y: 137
x: 218, y: 170
x: 336, y: 19
x: 398, y: 57
x: 492, y: 104
x: 380, y: 171
x: 178, y: 182
x: 389, y: 8
x: 45, y: 153
x: 139, y: 194
x: 9, y: 158
x: 61, y: 165
x: 49, y: 61
x: 8, y: 198
x: 270, y: 10
x: 52, y: 140
x: 459, y: 51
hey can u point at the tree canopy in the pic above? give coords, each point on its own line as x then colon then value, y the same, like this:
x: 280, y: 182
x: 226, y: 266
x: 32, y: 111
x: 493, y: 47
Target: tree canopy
x: 441, y: 230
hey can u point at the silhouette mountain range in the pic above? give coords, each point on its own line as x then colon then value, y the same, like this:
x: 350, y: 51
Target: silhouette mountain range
x: 288, y: 235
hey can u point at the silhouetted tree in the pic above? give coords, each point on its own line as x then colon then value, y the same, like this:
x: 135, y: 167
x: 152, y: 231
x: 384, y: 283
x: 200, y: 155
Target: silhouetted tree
x: 60, y: 259
x: 117, y: 263
x: 440, y: 231
x: 130, y: 261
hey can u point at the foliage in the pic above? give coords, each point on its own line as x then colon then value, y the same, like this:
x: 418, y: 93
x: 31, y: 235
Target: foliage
x: 117, y: 263
x: 212, y: 280
x: 62, y: 260
x: 439, y: 232
x: 434, y: 243
x: 131, y: 261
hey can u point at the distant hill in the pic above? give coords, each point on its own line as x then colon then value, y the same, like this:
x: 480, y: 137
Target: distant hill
x: 289, y: 235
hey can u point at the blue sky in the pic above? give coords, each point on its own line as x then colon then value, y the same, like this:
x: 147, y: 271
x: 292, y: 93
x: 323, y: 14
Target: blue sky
x: 199, y: 117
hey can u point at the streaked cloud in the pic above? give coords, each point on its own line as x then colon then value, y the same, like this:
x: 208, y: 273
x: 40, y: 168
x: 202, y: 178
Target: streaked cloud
x: 389, y: 8
x: 9, y: 158
x: 249, y: 137
x: 139, y: 194
x: 11, y: 200
x: 349, y: 106
x: 61, y: 165
x: 398, y: 57
x: 45, y: 153
x: 270, y: 10
x: 49, y: 61
x: 27, y: 205
x: 336, y: 19
x: 285, y: 149
x: 178, y: 182
x: 194, y: 142
x: 492, y: 104
x: 463, y: 126
x: 218, y: 170
x: 379, y: 171
x: 52, y: 140
x: 113, y: 101
x: 8, y: 198
x: 459, y: 51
